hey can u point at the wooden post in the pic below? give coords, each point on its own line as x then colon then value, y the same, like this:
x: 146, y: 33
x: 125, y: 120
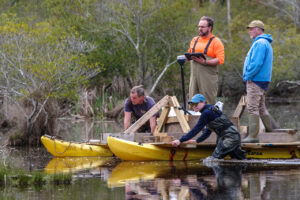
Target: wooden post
x: 240, y: 107
x: 180, y: 116
x: 162, y: 120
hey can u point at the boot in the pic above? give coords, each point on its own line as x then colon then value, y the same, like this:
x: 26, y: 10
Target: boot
x: 266, y: 119
x: 253, y: 130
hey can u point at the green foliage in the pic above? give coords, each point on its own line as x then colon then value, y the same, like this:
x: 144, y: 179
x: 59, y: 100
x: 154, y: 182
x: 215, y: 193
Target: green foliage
x: 38, y: 178
x: 166, y: 28
x: 41, y: 60
x: 22, y: 180
x: 61, y: 179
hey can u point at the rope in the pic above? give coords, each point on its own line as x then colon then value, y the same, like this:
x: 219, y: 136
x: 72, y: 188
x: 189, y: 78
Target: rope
x: 64, y: 150
x: 293, y: 153
x: 172, y: 153
x: 185, y: 155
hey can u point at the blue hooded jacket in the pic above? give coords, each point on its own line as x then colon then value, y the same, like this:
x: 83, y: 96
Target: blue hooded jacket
x: 258, y: 63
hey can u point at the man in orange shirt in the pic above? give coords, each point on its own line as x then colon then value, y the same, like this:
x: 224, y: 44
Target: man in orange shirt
x: 204, y: 73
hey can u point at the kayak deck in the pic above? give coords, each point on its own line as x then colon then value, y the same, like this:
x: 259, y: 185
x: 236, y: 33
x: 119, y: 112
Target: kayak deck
x: 60, y: 148
x: 127, y: 150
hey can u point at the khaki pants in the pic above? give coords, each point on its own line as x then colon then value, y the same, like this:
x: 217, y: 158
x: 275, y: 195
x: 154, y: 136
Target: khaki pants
x: 204, y: 80
x: 256, y: 99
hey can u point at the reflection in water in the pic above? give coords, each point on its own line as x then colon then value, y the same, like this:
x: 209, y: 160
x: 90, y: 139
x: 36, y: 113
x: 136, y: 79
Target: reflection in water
x: 229, y: 180
x: 178, y: 181
x: 224, y: 184
x: 77, y: 164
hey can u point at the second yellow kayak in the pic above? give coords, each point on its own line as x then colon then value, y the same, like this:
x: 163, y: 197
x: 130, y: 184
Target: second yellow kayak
x: 60, y: 148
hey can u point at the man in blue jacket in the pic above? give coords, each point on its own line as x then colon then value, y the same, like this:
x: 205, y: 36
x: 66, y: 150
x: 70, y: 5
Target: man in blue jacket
x: 257, y: 76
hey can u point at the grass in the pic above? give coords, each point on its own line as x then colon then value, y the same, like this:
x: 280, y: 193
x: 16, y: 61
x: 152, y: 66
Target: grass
x: 19, y: 178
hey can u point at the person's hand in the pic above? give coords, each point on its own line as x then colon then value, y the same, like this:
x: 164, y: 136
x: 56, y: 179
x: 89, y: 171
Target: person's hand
x: 191, y: 142
x: 175, y: 143
x: 199, y: 60
x: 187, y: 59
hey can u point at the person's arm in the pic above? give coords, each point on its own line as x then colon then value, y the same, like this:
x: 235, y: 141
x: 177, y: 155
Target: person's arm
x: 153, y: 123
x: 127, y: 119
x: 199, y: 126
x: 211, y: 62
x: 257, y: 57
x: 206, y: 133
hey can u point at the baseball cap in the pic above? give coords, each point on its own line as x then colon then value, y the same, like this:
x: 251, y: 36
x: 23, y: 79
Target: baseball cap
x: 197, y: 98
x: 256, y: 23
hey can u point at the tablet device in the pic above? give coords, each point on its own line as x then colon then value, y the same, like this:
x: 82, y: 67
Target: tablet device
x: 198, y: 55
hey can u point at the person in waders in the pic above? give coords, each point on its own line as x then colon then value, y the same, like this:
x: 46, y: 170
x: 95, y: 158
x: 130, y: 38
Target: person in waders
x: 204, y: 72
x: 212, y: 119
x: 257, y: 75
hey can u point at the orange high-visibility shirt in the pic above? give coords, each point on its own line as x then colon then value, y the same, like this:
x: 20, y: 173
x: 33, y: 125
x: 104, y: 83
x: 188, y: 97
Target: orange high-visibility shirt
x: 215, y: 49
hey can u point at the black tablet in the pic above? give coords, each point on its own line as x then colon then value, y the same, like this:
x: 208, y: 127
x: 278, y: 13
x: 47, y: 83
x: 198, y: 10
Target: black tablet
x: 198, y: 55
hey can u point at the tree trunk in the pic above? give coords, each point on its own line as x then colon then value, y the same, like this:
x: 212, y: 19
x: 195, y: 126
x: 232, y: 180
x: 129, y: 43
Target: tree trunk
x: 229, y: 20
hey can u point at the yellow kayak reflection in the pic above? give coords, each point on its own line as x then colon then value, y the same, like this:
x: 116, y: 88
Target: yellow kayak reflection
x: 135, y: 171
x: 75, y: 164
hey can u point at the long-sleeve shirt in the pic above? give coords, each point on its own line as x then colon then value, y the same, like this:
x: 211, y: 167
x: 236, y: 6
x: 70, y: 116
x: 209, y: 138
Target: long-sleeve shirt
x: 207, y: 116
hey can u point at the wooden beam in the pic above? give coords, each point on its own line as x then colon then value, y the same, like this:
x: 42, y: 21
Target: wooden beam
x: 180, y: 116
x: 240, y: 107
x: 171, y: 120
x: 161, y: 120
x: 134, y: 127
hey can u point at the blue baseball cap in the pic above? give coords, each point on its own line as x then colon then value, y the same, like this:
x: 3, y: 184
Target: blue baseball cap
x: 197, y: 98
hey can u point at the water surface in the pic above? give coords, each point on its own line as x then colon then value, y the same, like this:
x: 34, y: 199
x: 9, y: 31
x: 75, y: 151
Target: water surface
x: 110, y: 178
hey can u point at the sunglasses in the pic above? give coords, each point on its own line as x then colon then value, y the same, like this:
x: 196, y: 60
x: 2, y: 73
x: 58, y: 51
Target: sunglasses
x: 193, y: 104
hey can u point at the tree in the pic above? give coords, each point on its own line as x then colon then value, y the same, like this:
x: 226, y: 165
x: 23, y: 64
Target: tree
x: 287, y: 8
x: 38, y: 63
x: 141, y: 24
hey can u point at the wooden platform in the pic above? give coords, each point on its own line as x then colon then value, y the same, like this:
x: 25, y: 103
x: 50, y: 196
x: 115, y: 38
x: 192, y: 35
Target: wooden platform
x: 170, y: 128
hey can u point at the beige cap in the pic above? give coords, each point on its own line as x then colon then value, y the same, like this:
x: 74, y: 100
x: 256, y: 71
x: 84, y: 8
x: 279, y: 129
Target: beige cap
x: 256, y: 23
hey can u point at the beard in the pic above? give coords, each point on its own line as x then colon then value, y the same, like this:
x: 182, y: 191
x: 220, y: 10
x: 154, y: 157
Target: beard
x: 202, y: 33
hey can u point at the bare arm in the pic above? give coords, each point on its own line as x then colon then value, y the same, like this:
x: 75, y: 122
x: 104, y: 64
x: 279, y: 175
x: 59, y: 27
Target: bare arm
x: 127, y: 119
x: 153, y: 123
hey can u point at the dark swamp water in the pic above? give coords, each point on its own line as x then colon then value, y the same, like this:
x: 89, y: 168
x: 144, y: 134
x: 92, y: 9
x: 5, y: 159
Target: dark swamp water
x: 111, y: 178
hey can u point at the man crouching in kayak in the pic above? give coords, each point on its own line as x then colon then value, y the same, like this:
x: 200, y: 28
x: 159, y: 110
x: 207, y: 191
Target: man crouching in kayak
x: 228, y: 137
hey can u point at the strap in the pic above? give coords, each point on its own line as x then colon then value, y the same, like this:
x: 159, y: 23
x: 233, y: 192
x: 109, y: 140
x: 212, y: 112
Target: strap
x: 185, y: 155
x: 172, y: 153
x: 215, y: 110
x: 193, y: 49
x: 206, y: 48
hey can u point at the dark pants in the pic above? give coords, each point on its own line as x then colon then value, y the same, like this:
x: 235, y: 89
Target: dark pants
x: 229, y: 144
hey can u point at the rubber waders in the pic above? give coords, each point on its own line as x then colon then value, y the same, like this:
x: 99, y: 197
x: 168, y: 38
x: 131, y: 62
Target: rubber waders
x: 253, y: 130
x: 267, y: 122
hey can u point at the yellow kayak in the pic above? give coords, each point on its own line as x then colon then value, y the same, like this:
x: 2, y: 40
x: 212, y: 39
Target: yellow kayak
x: 75, y: 164
x: 60, y: 148
x: 127, y: 150
x: 135, y: 171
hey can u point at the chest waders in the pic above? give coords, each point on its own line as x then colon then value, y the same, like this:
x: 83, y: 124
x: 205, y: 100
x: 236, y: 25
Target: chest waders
x: 228, y: 138
x: 203, y: 78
